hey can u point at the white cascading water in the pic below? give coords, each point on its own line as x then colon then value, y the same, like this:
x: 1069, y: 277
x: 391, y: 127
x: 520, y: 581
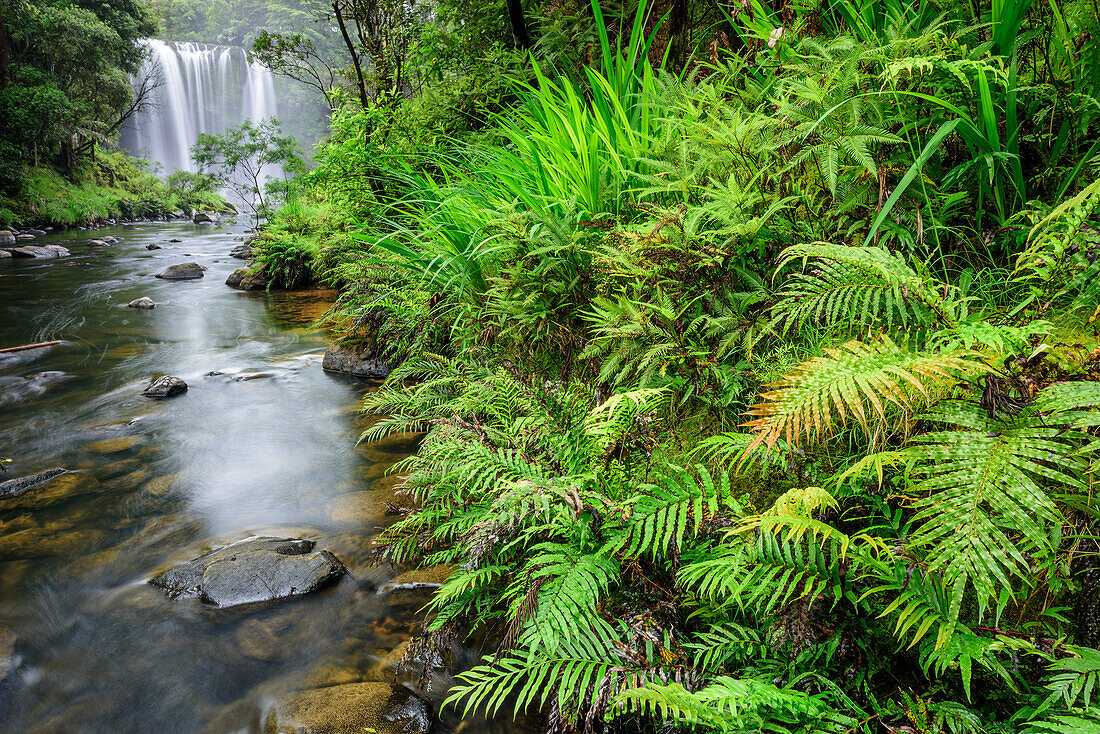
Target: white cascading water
x: 204, y: 89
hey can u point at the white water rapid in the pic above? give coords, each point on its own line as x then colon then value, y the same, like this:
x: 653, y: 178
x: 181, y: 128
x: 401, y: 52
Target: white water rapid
x: 204, y: 89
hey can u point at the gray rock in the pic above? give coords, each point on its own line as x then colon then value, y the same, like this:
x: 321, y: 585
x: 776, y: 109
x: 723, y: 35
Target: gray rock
x: 15, y: 487
x: 183, y: 271
x: 98, y: 243
x: 36, y: 232
x: 9, y: 660
x: 251, y: 571
x: 175, y: 240
x: 110, y: 240
x: 24, y: 237
x: 145, y: 302
x: 361, y: 360
x: 35, y: 251
x: 152, y: 246
x: 241, y: 252
x: 247, y: 279
x: 206, y: 218
x: 6, y: 237
x: 165, y: 387
x: 5, y: 255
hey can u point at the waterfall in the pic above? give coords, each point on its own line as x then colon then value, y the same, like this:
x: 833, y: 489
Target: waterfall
x: 204, y: 89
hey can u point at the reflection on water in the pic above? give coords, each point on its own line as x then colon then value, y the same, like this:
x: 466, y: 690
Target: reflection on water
x: 261, y: 442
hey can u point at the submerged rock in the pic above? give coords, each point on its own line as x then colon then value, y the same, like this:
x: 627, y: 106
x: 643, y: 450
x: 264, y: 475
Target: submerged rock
x: 98, y: 243
x: 353, y: 707
x: 14, y: 487
x: 9, y: 660
x: 183, y: 271
x: 253, y: 570
x: 361, y: 360
x: 241, y: 252
x: 153, y: 246
x: 165, y: 387
x: 144, y: 302
x: 5, y: 255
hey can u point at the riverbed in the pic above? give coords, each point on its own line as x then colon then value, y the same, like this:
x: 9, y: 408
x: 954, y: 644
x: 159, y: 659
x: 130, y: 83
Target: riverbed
x: 262, y: 442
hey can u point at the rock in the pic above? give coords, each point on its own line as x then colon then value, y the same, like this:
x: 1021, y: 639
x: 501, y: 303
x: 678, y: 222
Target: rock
x: 109, y: 240
x: 153, y: 246
x: 35, y: 251
x: 206, y: 218
x: 14, y: 487
x: 9, y: 661
x: 354, y: 707
x: 241, y: 252
x: 114, y: 445
x: 24, y: 237
x: 175, y: 240
x: 247, y: 279
x: 420, y: 579
x: 58, y: 487
x: 253, y: 570
x: 5, y: 255
x: 98, y: 243
x: 183, y: 271
x: 145, y: 302
x: 37, y: 232
x: 360, y: 360
x: 165, y: 387
x: 6, y: 237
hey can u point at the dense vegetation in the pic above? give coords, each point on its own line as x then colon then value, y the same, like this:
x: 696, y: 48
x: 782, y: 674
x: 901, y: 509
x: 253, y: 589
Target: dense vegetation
x: 756, y: 355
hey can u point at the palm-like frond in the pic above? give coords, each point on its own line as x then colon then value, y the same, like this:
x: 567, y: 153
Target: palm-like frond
x: 855, y: 380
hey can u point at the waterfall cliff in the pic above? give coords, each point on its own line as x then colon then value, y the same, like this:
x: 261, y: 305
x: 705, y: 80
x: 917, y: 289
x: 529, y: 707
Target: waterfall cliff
x: 203, y: 89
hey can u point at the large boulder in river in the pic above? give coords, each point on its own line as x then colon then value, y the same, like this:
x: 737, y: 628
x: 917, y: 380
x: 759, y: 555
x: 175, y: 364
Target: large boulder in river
x: 6, y: 237
x: 165, y: 387
x: 182, y: 271
x: 145, y: 302
x: 206, y: 218
x: 35, y: 251
x: 364, y: 359
x: 253, y: 570
x: 242, y: 252
x: 354, y: 707
x: 247, y: 279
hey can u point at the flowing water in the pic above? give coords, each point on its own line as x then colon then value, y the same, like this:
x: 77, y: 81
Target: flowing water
x: 202, y: 89
x: 262, y: 442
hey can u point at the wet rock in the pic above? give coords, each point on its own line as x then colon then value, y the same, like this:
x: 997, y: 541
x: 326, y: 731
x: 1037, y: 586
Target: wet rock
x: 114, y: 445
x: 175, y: 240
x: 247, y: 279
x: 165, y: 387
x: 109, y: 240
x: 14, y: 487
x: 253, y: 570
x: 426, y: 578
x: 182, y: 271
x: 36, y: 232
x: 355, y: 707
x: 206, y: 218
x: 145, y: 302
x: 35, y: 251
x: 9, y: 660
x: 5, y: 255
x: 241, y: 252
x: 366, y: 359
x: 42, y: 492
x: 98, y: 243
x: 24, y: 237
x: 153, y: 246
x: 6, y: 237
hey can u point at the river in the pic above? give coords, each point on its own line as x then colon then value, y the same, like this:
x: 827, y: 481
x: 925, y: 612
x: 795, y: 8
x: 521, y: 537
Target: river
x: 263, y: 442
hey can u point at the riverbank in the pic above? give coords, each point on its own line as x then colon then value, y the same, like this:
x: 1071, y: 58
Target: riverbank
x: 112, y: 186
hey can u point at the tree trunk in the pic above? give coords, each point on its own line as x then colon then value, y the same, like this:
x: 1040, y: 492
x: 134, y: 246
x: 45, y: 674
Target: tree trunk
x: 352, y: 52
x: 520, y: 37
x: 678, y: 28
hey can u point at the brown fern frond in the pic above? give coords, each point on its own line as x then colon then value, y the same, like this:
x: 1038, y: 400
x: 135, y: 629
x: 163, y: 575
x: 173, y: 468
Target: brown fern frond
x: 854, y: 381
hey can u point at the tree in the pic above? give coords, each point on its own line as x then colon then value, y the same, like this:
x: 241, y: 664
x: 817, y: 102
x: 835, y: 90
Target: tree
x: 296, y: 56
x: 242, y: 157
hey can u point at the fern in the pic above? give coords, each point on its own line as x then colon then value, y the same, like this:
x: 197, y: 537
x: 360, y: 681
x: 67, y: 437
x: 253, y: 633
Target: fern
x: 857, y: 380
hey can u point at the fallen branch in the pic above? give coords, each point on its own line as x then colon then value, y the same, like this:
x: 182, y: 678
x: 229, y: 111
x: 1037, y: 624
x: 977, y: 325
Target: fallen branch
x: 25, y: 347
